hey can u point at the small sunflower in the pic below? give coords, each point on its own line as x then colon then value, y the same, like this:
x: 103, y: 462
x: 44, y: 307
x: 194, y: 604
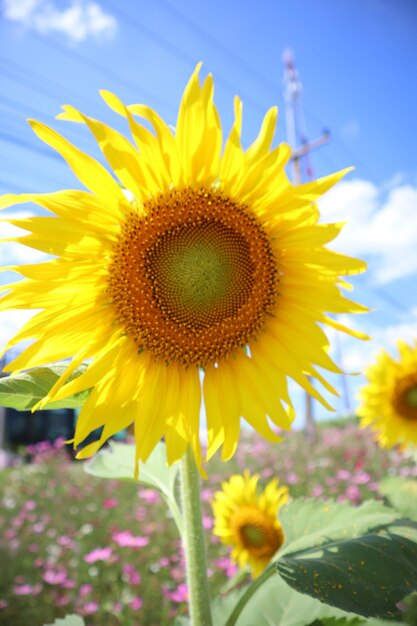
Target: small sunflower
x: 248, y: 521
x: 389, y: 400
x: 192, y: 273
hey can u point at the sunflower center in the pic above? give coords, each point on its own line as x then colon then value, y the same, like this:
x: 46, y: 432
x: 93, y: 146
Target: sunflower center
x: 252, y: 535
x: 192, y: 277
x: 405, y: 397
x: 258, y: 532
x: 411, y: 397
x: 201, y: 273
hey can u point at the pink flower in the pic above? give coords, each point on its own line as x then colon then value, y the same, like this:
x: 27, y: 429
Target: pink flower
x: 27, y: 590
x: 180, y: 594
x: 69, y: 584
x: 131, y: 575
x: 343, y: 474
x: 136, y: 603
x: 353, y: 494
x: 110, y: 503
x: 3, y: 604
x: 207, y: 522
x: 206, y: 495
x: 227, y: 566
x: 99, y: 554
x: 38, y: 528
x: 361, y: 478
x: 149, y: 495
x: 54, y: 578
x: 10, y: 534
x: 292, y: 478
x: 125, y: 539
x: 85, y: 590
x: 65, y: 542
x: 90, y: 607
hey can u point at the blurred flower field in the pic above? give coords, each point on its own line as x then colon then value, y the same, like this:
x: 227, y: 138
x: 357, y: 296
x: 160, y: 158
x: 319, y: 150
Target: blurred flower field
x: 108, y: 551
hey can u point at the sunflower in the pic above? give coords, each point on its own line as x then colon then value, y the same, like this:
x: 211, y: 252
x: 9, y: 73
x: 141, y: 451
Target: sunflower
x: 248, y: 521
x: 389, y: 400
x: 189, y: 274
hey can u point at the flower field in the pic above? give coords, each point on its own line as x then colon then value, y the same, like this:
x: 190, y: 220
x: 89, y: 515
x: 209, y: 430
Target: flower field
x: 108, y: 551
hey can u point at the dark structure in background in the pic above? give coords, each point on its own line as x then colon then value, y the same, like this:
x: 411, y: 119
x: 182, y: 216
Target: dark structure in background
x: 19, y: 428
x: 24, y: 427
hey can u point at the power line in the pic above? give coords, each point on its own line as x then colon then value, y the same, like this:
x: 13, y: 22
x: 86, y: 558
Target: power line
x: 13, y: 105
x: 176, y: 51
x: 217, y: 43
x: 28, y: 146
x: 347, y: 148
x: 101, y: 69
x: 12, y: 186
x: 37, y: 81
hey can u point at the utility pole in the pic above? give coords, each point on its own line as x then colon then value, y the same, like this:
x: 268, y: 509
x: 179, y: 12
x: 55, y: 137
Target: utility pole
x: 301, y: 148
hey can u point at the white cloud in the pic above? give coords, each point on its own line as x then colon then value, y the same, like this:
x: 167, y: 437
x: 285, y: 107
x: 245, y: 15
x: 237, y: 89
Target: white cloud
x: 356, y: 355
x: 381, y: 228
x: 80, y: 20
x: 19, y: 10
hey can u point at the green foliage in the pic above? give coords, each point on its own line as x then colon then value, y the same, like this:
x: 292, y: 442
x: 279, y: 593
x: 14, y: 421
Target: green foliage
x: 410, y: 613
x: 23, y: 391
x: 118, y: 462
x: 401, y: 494
x: 277, y: 604
x: 353, y: 621
x: 309, y: 523
x: 75, y: 505
x: 338, y: 621
x: 338, y: 422
x: 367, y: 575
x: 68, y: 620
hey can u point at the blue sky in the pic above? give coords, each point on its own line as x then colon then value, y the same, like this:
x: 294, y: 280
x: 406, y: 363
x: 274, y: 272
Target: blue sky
x: 357, y: 62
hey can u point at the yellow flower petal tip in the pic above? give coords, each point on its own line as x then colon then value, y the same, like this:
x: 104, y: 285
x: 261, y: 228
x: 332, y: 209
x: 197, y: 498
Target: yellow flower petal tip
x: 246, y: 520
x: 189, y: 272
x: 389, y: 399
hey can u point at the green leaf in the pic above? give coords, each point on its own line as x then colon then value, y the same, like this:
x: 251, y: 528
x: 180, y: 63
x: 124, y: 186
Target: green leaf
x: 338, y: 621
x: 68, y: 620
x: 310, y: 523
x: 118, y: 462
x: 23, y: 391
x: 410, y: 613
x: 367, y: 575
x: 276, y: 604
x: 401, y: 494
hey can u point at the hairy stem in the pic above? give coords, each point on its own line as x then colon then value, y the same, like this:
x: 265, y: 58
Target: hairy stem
x: 194, y: 543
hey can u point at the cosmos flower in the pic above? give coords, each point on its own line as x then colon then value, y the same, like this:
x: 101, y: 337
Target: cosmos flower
x: 190, y: 274
x: 389, y: 400
x: 248, y: 520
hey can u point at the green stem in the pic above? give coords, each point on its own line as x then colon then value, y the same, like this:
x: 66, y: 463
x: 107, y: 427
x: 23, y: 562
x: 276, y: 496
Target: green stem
x: 194, y: 543
x: 250, y: 591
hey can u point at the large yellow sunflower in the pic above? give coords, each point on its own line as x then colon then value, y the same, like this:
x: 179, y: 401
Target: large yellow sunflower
x: 190, y: 273
x: 389, y: 400
x: 248, y: 521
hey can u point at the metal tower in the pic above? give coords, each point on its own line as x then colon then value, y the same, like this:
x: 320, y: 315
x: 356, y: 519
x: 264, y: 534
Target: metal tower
x: 301, y: 165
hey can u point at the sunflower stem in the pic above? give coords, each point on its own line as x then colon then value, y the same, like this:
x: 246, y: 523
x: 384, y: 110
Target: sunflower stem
x: 250, y: 591
x: 194, y: 543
